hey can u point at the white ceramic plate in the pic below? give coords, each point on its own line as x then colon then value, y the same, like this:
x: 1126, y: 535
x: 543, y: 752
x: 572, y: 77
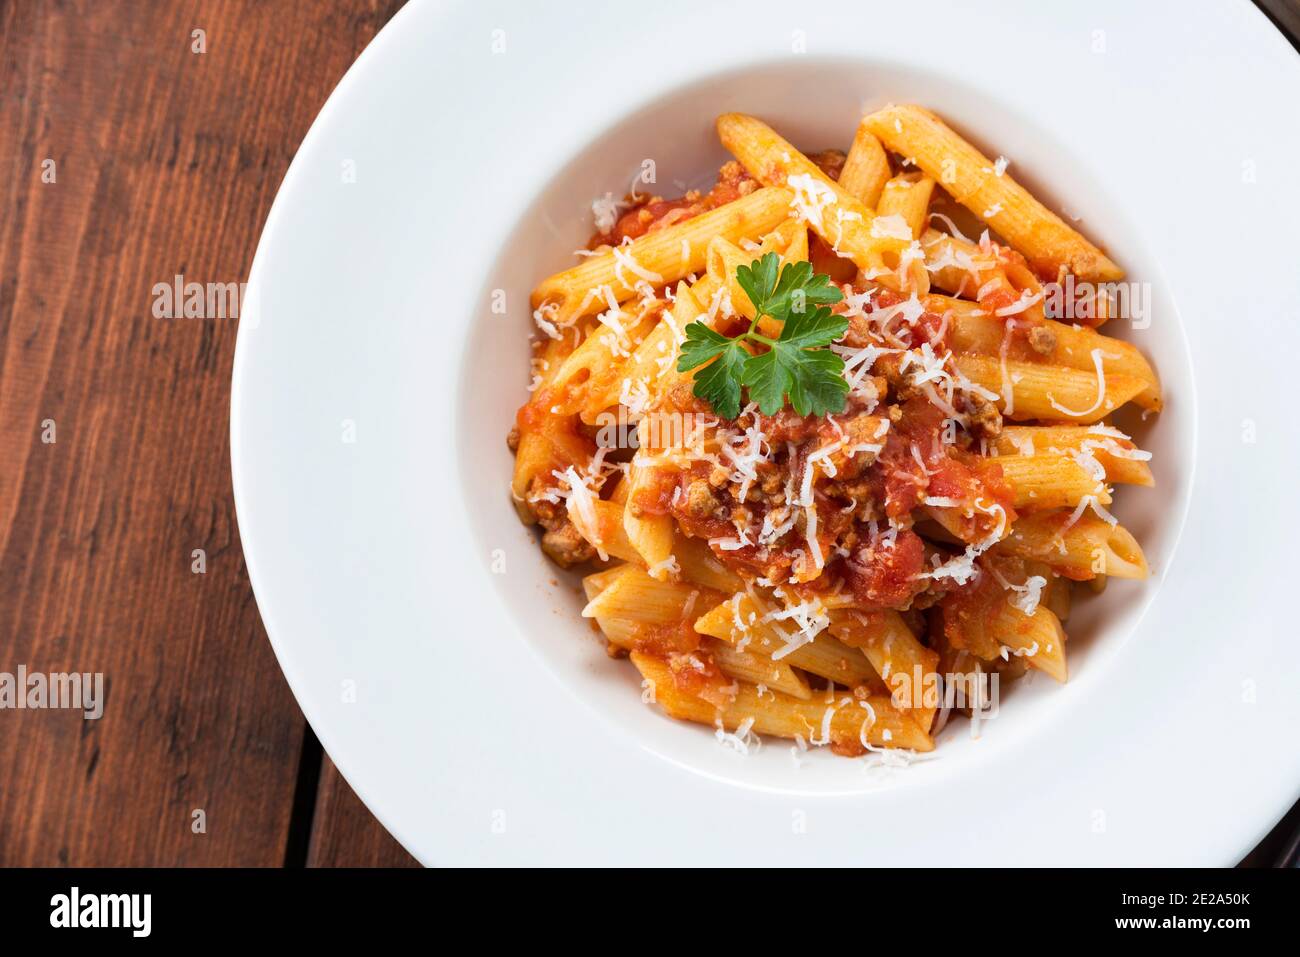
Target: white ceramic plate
x: 476, y: 714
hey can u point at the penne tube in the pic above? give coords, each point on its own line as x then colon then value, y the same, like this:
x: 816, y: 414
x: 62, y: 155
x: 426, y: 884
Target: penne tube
x: 866, y: 169
x: 596, y: 582
x: 1123, y: 461
x: 599, y: 365
x: 546, y: 441
x: 636, y: 596
x: 701, y: 566
x: 650, y: 535
x: 1081, y: 550
x: 1038, y: 638
x: 550, y: 445
x: 1048, y: 392
x: 759, y: 670
x: 836, y: 215
x: 657, y: 258
x: 908, y: 195
x: 953, y: 266
x: 973, y: 330
x: 739, y: 621
x: 604, y: 529
x: 651, y: 368
x: 850, y: 725
x: 1016, y: 573
x: 956, y: 309
x: 619, y: 632
x: 1050, y: 481
x: 903, y: 663
x: 976, y: 182
x: 961, y: 524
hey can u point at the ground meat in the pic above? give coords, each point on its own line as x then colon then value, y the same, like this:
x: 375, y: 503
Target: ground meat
x: 898, y: 383
x: 564, y: 546
x: 701, y: 501
x: 1042, y: 340
x: 547, y: 514
x: 985, y: 419
x: 858, y: 490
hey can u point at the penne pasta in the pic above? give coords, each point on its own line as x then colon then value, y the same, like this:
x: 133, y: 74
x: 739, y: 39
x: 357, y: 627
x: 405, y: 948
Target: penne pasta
x: 902, y: 662
x: 1050, y: 481
x: 838, y: 217
x: 665, y: 256
x: 759, y: 670
x: 973, y: 330
x: 1003, y: 287
x: 701, y: 566
x: 636, y: 596
x: 1082, y: 549
x: 1122, y: 461
x: 1048, y: 392
x: 650, y: 369
x: 650, y: 535
x: 848, y: 724
x: 866, y: 169
x: 993, y: 626
x: 986, y: 190
x: 739, y: 621
x: 907, y: 195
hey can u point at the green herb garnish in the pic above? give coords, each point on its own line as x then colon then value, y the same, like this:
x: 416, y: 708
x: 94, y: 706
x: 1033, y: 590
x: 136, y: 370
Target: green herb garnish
x: 796, y: 364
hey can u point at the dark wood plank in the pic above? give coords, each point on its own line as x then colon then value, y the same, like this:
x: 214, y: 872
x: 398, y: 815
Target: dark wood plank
x: 345, y: 834
x: 166, y: 163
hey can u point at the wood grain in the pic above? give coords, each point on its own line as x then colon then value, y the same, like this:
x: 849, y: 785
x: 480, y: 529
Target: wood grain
x: 166, y: 162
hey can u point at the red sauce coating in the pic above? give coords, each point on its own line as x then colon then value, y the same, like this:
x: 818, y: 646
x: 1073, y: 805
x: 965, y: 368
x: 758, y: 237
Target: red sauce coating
x: 884, y: 574
x: 651, y: 213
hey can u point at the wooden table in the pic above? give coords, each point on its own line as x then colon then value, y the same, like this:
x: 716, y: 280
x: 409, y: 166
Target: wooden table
x: 165, y: 162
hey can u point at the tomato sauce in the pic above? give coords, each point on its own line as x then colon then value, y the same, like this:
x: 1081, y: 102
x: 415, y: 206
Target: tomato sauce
x: 882, y: 574
x: 651, y: 213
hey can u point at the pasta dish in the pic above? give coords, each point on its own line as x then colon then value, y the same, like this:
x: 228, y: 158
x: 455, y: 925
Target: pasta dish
x: 835, y: 437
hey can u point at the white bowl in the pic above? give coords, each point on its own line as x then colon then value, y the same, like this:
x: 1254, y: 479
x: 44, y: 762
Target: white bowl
x: 470, y: 706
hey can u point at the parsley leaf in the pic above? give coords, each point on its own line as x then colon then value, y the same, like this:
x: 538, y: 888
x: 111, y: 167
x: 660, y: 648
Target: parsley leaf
x: 796, y: 364
x: 719, y: 383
